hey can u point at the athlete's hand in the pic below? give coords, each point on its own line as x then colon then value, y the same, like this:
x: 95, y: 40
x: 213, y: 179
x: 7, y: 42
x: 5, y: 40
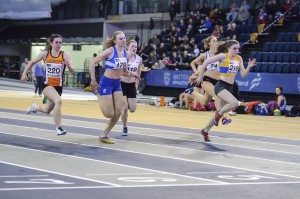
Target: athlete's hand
x: 23, y: 78
x: 198, y: 81
x: 135, y: 75
x: 68, y: 63
x: 252, y: 62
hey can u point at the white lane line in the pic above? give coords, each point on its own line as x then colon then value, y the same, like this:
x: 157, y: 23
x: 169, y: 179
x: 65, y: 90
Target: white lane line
x: 57, y: 173
x: 216, y: 143
x: 112, y: 163
x: 209, y: 172
x: 24, y: 176
x: 118, y: 174
x: 145, y: 186
x: 181, y: 159
x: 298, y: 171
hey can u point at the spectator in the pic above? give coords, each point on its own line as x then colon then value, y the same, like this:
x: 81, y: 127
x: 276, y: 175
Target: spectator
x: 196, y: 50
x: 232, y: 15
x: 245, y: 6
x: 263, y: 16
x: 243, y: 17
x: 174, y: 61
x: 281, y: 101
x: 22, y: 67
x: 173, y: 10
x: 189, y: 32
x: 216, y: 31
x: 154, y: 40
x: 185, y: 61
x: 207, y: 25
x: 204, y: 11
x: 39, y: 74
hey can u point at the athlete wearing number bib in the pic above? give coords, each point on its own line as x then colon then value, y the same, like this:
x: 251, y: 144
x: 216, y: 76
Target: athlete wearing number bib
x: 128, y: 83
x: 211, y: 67
x: 54, y: 71
x: 228, y: 68
x: 107, y: 86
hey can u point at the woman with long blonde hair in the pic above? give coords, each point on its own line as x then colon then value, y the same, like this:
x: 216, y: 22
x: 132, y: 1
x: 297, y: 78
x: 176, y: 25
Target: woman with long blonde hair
x: 109, y: 91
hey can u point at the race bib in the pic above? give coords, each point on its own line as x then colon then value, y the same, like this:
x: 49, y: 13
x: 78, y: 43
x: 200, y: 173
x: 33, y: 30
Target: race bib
x: 54, y: 70
x: 233, y: 67
x: 120, y: 62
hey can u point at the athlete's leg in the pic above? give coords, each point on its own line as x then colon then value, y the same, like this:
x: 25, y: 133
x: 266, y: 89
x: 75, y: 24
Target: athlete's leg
x: 232, y: 102
x: 54, y: 103
x: 117, y: 105
x: 124, y: 114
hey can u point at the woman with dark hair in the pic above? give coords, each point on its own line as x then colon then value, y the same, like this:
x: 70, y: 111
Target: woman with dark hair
x: 109, y: 91
x: 281, y: 101
x: 55, y: 63
x: 229, y: 64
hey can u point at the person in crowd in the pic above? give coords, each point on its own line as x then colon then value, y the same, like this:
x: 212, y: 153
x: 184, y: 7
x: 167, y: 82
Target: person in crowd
x: 229, y: 64
x: 39, y: 74
x: 109, y: 91
x: 55, y: 63
x: 130, y: 84
x: 23, y: 65
x: 281, y: 100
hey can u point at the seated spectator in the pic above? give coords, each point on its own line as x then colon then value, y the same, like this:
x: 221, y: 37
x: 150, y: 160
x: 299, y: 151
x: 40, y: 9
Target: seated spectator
x: 216, y: 31
x: 154, y: 40
x: 185, y: 61
x: 196, y: 50
x: 151, y: 60
x: 232, y: 15
x: 185, y: 97
x: 189, y: 32
x: 281, y: 101
x: 231, y: 32
x: 207, y: 25
x: 263, y: 16
x: 243, y: 17
x: 245, y: 6
x: 204, y: 11
x: 174, y: 61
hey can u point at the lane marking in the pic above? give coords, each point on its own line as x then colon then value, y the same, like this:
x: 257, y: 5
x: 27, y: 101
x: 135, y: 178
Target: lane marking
x: 24, y: 176
x: 181, y: 159
x: 212, y: 172
x: 117, y: 164
x: 179, y: 133
x: 145, y: 186
x: 118, y: 174
x: 57, y: 173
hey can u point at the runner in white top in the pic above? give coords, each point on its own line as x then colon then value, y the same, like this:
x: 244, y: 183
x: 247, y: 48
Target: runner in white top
x: 130, y: 84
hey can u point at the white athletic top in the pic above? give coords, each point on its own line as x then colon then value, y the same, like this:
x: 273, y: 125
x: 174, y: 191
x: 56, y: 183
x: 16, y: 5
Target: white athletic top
x: 132, y: 66
x: 213, y: 66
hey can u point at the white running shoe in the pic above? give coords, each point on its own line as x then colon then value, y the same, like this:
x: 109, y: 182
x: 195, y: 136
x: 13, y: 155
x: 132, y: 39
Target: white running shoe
x: 31, y: 109
x: 60, y: 131
x: 231, y: 113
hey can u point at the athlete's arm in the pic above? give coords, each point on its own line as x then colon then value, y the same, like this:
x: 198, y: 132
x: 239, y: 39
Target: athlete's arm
x: 197, y: 61
x: 244, y: 72
x: 102, y: 56
x: 68, y: 62
x: 139, y: 71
